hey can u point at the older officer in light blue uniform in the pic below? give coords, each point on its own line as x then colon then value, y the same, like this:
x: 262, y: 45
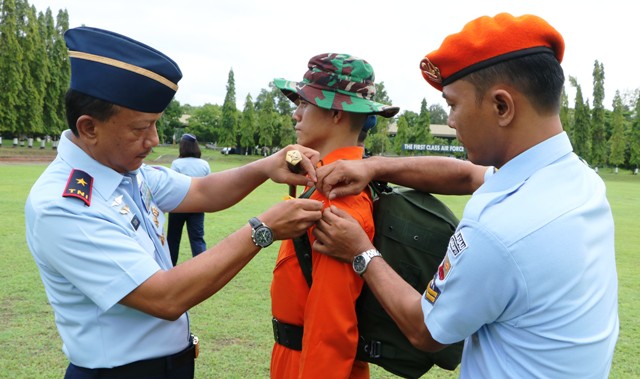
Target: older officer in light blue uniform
x: 95, y: 218
x: 107, y: 227
x: 88, y: 275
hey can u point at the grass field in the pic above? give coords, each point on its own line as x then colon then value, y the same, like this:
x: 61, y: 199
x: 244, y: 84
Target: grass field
x: 234, y: 325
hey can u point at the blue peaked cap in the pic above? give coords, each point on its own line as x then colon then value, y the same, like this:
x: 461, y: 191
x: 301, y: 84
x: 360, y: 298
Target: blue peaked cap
x: 189, y: 137
x: 120, y: 70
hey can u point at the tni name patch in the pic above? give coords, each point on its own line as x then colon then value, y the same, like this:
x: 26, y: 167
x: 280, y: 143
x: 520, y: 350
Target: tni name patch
x: 79, y: 185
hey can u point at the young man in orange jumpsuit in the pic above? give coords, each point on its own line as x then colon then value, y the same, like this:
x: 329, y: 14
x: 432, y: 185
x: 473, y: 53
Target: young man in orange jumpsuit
x: 316, y: 327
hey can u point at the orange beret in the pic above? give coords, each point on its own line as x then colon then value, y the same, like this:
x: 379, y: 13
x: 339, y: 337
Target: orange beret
x: 487, y: 41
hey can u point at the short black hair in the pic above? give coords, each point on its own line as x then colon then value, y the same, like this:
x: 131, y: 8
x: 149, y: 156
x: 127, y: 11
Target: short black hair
x: 78, y: 104
x: 539, y: 77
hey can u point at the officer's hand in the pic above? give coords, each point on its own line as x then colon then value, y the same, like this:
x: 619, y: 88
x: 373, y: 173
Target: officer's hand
x: 342, y: 178
x: 280, y: 172
x: 340, y: 235
x: 291, y: 218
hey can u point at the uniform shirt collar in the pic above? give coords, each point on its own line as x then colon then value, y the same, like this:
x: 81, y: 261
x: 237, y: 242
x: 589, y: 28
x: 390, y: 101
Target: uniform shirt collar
x: 347, y: 153
x: 520, y: 168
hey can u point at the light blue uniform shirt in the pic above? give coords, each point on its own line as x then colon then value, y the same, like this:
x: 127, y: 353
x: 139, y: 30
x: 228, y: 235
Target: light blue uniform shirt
x: 191, y: 166
x: 529, y: 278
x: 90, y: 257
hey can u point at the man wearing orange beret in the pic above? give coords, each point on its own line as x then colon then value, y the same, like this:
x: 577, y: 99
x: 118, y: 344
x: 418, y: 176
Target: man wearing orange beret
x: 529, y: 278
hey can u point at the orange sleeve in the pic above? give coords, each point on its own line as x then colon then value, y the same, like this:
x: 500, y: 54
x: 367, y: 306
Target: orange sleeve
x: 330, y: 324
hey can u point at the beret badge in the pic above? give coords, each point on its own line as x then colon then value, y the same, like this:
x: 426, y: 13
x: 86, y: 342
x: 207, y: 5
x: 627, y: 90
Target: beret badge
x: 430, y: 71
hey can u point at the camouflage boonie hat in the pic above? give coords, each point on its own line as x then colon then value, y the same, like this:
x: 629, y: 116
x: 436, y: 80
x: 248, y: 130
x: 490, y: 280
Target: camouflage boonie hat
x: 339, y: 82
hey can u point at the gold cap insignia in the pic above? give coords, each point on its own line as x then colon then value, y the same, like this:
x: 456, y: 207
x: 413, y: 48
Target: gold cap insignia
x: 430, y: 71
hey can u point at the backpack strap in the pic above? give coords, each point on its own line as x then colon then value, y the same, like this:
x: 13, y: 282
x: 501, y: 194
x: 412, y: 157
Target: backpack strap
x: 377, y: 188
x: 302, y: 245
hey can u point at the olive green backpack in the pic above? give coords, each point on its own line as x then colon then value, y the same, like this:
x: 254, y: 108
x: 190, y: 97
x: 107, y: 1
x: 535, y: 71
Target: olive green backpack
x: 412, y: 233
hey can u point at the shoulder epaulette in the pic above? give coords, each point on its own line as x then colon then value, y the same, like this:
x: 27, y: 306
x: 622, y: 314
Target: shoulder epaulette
x: 80, y: 185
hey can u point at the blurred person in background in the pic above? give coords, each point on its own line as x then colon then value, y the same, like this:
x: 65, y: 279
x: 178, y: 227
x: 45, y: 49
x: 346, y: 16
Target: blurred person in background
x: 190, y: 164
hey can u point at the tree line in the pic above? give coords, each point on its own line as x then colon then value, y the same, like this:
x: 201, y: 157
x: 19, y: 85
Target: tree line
x: 35, y: 73
x: 34, y: 70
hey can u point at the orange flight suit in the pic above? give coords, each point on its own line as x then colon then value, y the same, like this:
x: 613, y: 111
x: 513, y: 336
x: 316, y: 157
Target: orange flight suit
x: 327, y: 310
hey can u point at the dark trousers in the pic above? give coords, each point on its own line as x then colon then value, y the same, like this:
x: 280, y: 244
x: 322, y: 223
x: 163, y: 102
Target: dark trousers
x: 195, y: 229
x: 75, y: 372
x: 177, y: 366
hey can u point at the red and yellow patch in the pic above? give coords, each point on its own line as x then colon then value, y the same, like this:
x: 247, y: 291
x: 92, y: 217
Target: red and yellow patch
x: 444, y: 268
x: 79, y: 185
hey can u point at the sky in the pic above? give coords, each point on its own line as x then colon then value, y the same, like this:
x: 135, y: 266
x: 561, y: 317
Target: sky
x: 262, y: 40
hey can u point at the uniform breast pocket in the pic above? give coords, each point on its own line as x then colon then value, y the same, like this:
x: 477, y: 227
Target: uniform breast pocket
x: 145, y: 241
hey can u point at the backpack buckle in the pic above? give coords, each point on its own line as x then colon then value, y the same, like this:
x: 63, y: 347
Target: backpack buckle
x: 374, y: 349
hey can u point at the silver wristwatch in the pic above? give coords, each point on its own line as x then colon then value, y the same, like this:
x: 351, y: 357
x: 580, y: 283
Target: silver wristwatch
x: 261, y: 234
x: 361, y: 261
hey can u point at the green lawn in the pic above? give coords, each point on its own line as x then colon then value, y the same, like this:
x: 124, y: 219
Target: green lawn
x: 234, y: 325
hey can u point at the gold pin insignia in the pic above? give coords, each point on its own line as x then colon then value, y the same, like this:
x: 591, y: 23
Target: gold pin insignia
x: 155, y: 213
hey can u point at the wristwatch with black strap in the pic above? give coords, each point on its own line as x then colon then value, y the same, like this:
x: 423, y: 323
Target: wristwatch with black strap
x: 261, y: 234
x: 361, y: 261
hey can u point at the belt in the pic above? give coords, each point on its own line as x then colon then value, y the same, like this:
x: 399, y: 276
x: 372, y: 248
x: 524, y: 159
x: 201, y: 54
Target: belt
x: 152, y: 367
x: 287, y: 335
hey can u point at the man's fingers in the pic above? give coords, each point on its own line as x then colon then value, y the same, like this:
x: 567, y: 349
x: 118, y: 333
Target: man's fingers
x: 301, y: 161
x: 293, y: 217
x: 322, y: 243
x: 309, y: 159
x: 338, y: 179
x: 311, y: 211
x: 324, y: 223
x: 340, y: 212
x: 325, y: 180
x: 310, y: 204
x: 328, y: 216
x: 337, y: 192
x: 309, y: 168
x: 319, y: 232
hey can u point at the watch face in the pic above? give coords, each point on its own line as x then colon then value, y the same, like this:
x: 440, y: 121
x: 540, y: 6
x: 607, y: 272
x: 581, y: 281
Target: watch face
x: 263, y: 237
x: 359, y: 264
